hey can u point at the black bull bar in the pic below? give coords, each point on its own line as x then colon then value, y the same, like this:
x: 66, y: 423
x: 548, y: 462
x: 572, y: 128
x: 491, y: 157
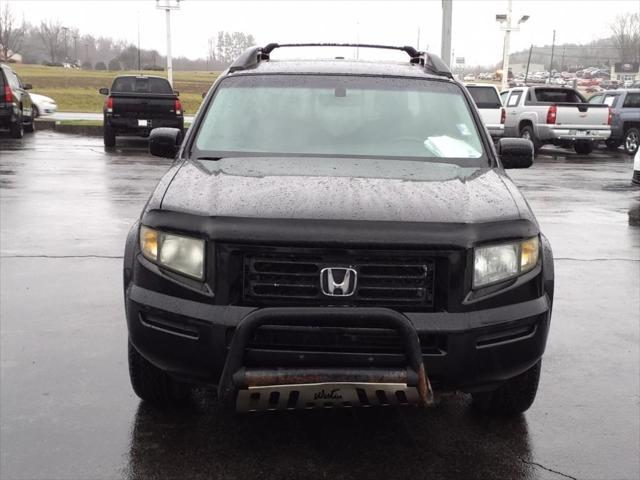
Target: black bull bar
x: 241, y: 385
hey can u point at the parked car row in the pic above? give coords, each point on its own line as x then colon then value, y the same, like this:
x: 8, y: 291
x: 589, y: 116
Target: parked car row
x: 561, y: 116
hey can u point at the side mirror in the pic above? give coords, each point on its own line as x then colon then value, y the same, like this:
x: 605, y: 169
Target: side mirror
x: 204, y: 94
x: 104, y: 91
x: 164, y: 142
x: 176, y: 93
x: 515, y: 152
x: 27, y: 86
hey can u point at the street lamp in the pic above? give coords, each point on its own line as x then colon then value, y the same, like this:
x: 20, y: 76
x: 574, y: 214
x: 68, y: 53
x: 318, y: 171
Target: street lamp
x: 66, y: 55
x: 505, y: 22
x: 75, y: 49
x: 167, y: 6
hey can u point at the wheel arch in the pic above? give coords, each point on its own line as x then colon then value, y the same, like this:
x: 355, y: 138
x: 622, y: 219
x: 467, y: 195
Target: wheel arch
x: 630, y: 124
x: 524, y: 123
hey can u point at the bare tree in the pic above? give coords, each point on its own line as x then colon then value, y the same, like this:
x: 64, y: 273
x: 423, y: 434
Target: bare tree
x: 626, y: 36
x: 11, y: 34
x: 51, y: 34
x: 211, y: 53
x: 231, y: 44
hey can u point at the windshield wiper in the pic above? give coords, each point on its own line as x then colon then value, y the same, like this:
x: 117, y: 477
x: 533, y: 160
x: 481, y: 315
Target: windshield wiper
x: 210, y: 158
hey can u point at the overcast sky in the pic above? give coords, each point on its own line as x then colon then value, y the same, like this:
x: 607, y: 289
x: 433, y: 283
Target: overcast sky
x: 476, y: 34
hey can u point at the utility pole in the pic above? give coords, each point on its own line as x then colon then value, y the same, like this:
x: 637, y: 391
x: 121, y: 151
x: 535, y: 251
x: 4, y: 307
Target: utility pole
x: 66, y: 54
x: 564, y: 49
x: 139, y: 70
x: 506, y: 18
x: 445, y: 44
x: 418, y: 41
x: 505, y: 49
x: 167, y: 6
x: 553, y: 45
x: 526, y: 75
x: 75, y: 47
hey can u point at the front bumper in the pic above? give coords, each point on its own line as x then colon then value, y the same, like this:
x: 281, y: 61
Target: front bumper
x: 47, y: 108
x: 475, y: 350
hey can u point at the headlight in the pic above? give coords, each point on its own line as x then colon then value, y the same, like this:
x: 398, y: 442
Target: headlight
x: 176, y: 252
x: 495, y: 263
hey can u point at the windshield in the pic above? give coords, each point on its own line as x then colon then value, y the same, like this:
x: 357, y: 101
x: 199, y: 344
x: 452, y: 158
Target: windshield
x: 141, y: 85
x: 349, y: 116
x: 485, y: 97
x: 559, y: 95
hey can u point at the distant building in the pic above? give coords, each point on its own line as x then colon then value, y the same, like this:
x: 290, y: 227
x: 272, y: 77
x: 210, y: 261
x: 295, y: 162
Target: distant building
x: 13, y: 57
x: 624, y: 71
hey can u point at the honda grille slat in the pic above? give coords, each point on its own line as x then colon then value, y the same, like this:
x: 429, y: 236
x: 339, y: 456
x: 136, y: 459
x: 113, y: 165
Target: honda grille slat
x: 384, y: 279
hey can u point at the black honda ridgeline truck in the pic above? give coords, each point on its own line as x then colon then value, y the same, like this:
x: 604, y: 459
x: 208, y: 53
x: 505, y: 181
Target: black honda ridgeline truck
x: 338, y: 233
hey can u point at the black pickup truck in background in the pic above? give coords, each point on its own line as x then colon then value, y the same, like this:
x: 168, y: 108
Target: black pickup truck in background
x: 137, y: 104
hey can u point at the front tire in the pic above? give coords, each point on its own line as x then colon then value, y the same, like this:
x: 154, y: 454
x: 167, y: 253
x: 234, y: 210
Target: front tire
x: 631, y: 140
x: 583, y: 148
x: 152, y: 384
x: 515, y: 396
x: 109, y: 136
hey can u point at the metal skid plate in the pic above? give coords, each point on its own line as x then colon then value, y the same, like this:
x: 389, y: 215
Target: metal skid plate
x: 325, y: 395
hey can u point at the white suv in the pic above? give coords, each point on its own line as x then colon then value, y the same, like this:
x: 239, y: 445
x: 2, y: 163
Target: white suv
x: 490, y: 107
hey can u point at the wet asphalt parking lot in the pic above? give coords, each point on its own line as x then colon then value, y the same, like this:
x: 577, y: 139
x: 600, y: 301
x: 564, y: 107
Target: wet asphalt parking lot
x: 67, y: 410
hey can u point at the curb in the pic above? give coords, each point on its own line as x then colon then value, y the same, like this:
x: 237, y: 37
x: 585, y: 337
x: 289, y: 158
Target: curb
x: 87, y: 130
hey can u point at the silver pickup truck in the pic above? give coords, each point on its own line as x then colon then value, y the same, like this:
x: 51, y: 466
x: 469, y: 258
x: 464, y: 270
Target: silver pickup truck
x: 555, y: 115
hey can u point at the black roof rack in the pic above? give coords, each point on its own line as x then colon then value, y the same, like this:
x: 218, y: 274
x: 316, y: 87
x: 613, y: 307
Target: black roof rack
x: 251, y: 57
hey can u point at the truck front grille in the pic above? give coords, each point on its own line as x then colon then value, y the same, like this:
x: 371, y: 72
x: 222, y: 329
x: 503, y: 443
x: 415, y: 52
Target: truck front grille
x: 293, y: 278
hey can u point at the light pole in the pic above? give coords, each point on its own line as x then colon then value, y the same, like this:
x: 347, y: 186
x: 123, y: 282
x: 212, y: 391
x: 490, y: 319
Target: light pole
x: 75, y: 48
x: 139, y: 70
x: 167, y: 6
x: 445, y: 43
x: 553, y: 47
x: 66, y: 55
x: 505, y: 21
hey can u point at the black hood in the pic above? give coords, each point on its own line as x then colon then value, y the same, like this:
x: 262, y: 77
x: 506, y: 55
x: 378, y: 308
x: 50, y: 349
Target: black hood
x: 344, y: 189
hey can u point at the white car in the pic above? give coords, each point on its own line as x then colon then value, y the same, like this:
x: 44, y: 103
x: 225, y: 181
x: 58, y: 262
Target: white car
x: 43, y: 105
x: 636, y: 168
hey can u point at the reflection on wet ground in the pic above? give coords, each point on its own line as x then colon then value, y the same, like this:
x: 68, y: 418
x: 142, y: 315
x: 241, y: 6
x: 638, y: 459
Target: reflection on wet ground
x: 330, y: 444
